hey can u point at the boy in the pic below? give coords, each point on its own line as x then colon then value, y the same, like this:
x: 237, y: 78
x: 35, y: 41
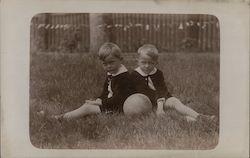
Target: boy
x: 116, y: 87
x: 149, y: 80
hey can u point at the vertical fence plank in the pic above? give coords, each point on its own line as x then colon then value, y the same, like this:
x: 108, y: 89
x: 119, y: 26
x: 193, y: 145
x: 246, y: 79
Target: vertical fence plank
x: 121, y: 31
x: 125, y: 30
x: 157, y: 30
x: 147, y: 28
x: 169, y: 32
x: 137, y: 31
x: 173, y: 32
x: 52, y: 32
x: 85, y: 30
x: 133, y: 33
x: 166, y: 41
x: 176, y: 32
x: 130, y: 27
x: 213, y: 33
x: 153, y: 24
x: 205, y: 33
x: 180, y: 31
x: 218, y: 35
x: 162, y: 32
x: 118, y: 29
x: 152, y: 31
x: 200, y: 33
x: 208, y: 40
x: 203, y: 25
x: 57, y: 31
x: 49, y: 32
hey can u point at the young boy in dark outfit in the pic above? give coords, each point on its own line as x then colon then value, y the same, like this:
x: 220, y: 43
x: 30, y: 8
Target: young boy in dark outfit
x: 117, y: 86
x: 149, y: 80
x: 116, y: 89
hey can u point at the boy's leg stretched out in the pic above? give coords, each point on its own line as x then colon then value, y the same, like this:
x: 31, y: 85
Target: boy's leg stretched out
x: 176, y: 104
x: 85, y: 109
x: 189, y: 113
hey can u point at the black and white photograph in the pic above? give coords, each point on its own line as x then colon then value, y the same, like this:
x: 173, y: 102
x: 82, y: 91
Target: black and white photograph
x: 122, y: 78
x: 124, y: 81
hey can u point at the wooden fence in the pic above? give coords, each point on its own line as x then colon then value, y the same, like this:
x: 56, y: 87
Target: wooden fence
x: 169, y: 32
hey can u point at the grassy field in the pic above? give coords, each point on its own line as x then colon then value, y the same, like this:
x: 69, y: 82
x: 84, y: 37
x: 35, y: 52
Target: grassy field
x: 60, y: 83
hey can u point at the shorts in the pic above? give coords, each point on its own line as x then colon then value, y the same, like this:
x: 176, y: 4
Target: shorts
x: 110, y: 110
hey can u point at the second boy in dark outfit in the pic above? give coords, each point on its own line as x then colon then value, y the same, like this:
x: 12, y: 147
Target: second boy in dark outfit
x: 149, y: 80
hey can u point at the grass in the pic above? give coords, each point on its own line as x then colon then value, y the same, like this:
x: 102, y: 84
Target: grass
x: 60, y: 83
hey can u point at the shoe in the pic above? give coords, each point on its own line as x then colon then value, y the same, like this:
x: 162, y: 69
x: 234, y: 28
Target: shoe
x: 210, y: 118
x: 41, y: 113
x: 57, y: 117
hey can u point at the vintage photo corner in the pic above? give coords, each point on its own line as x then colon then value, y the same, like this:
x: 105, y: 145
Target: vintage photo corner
x: 164, y: 87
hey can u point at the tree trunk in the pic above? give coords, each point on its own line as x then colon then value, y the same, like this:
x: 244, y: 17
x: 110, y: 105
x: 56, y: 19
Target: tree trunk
x: 100, y: 30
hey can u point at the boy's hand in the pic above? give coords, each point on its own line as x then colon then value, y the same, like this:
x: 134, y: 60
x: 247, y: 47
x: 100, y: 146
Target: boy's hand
x: 160, y: 110
x: 99, y: 101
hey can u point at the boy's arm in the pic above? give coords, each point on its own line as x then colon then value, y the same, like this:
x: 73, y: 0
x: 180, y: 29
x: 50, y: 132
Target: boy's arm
x: 162, y: 91
x: 104, y: 92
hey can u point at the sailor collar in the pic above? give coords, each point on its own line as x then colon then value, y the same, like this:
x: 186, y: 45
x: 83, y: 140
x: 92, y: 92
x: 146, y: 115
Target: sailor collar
x: 122, y: 69
x: 138, y: 69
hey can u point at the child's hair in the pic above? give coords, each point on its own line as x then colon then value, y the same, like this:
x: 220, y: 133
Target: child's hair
x: 109, y: 48
x: 150, y: 50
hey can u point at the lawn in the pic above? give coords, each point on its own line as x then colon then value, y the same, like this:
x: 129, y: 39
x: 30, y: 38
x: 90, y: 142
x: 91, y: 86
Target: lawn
x: 62, y: 82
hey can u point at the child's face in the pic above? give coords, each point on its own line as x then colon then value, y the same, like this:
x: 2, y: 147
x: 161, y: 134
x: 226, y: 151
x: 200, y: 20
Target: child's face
x: 146, y: 63
x: 111, y: 64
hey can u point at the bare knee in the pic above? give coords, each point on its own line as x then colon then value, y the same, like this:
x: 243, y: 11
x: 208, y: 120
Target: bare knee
x: 171, y: 102
x: 91, y: 109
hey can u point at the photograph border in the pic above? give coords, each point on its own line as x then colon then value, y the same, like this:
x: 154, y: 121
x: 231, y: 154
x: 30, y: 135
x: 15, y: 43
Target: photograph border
x: 15, y: 60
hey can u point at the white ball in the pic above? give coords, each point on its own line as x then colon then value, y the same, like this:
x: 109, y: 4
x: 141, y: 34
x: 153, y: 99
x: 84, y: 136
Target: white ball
x: 137, y: 104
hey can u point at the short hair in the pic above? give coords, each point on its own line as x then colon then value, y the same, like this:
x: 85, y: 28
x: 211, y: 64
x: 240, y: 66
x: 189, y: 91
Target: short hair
x: 150, y: 50
x: 109, y: 48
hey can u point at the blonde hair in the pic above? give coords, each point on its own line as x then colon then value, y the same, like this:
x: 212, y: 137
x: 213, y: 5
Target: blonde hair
x: 109, y: 48
x: 149, y: 50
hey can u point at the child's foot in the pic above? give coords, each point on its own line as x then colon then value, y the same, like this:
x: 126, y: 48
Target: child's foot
x: 41, y: 113
x: 58, y: 117
x: 210, y: 118
x: 190, y: 119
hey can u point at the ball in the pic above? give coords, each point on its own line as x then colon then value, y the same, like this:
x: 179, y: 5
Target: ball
x: 137, y: 104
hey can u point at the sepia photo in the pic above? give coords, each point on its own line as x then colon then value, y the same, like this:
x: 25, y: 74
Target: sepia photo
x: 65, y: 71
x: 124, y: 78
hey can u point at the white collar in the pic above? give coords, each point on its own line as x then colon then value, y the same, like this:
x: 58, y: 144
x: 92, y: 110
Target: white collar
x: 121, y: 69
x: 138, y: 69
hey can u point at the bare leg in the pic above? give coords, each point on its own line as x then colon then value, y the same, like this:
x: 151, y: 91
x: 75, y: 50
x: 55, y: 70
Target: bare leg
x: 85, y: 109
x: 190, y: 119
x: 176, y: 104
